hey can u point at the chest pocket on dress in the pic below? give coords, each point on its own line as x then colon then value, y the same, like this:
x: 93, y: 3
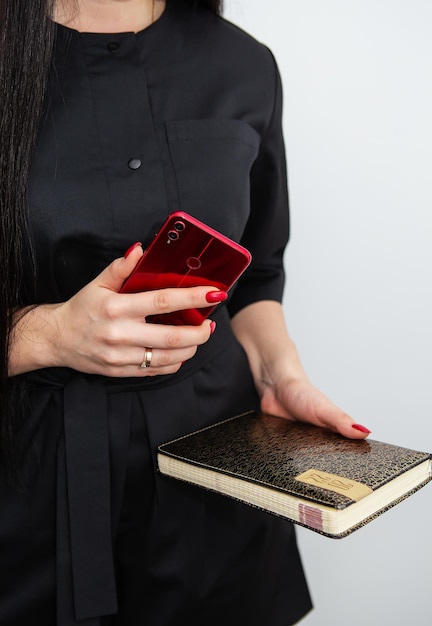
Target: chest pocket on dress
x: 212, y: 159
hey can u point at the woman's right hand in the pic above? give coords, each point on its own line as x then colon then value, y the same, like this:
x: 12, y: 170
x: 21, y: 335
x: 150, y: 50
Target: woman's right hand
x: 101, y: 331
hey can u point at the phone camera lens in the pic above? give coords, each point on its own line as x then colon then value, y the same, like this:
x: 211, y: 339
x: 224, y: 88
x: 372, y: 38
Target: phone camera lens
x: 179, y: 226
x: 173, y: 235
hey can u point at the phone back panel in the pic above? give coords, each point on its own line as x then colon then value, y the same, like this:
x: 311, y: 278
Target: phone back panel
x: 187, y: 253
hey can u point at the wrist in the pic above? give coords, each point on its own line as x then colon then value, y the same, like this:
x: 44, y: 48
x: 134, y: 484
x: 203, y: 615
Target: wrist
x: 279, y: 361
x: 274, y: 374
x: 35, y: 339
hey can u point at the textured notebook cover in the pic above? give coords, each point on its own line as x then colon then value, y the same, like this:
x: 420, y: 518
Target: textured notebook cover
x: 271, y: 451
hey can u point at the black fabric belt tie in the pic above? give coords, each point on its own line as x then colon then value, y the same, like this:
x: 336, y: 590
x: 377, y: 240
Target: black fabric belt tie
x: 86, y: 587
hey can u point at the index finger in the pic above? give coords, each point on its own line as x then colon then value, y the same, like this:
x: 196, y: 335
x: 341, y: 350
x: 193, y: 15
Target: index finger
x: 164, y: 301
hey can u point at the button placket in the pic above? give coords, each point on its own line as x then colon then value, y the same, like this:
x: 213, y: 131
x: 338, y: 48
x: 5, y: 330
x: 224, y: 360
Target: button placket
x: 129, y: 150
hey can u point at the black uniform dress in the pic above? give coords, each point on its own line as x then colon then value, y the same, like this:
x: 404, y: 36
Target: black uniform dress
x: 184, y: 115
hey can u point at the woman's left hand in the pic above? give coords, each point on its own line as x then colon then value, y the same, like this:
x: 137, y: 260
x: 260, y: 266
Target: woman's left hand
x: 278, y: 373
x: 299, y: 400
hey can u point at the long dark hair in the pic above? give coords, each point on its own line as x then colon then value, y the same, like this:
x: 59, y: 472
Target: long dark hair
x: 26, y: 36
x: 26, y: 44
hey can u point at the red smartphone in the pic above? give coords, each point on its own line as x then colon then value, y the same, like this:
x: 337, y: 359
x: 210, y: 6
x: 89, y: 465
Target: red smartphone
x: 187, y: 253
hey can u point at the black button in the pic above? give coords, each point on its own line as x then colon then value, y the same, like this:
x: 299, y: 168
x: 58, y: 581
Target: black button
x: 113, y: 46
x: 134, y: 164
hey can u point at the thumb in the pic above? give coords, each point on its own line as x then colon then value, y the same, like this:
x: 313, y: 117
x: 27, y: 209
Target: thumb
x: 116, y: 273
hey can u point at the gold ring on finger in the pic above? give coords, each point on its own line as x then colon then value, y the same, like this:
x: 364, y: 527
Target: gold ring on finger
x: 148, y: 353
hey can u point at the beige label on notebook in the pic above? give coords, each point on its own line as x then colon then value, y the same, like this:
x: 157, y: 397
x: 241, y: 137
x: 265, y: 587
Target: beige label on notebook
x: 339, y: 484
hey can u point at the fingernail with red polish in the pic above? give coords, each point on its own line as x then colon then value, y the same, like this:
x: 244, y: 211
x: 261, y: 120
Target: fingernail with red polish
x: 361, y: 428
x: 212, y: 327
x: 216, y: 296
x: 133, y: 246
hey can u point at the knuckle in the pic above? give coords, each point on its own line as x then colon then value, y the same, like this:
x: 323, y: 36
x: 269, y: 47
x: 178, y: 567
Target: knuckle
x: 111, y: 307
x: 112, y: 335
x: 173, y: 339
x: 163, y: 358
x: 111, y: 358
x: 161, y: 301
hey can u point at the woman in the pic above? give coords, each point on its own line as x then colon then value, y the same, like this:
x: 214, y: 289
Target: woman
x: 130, y: 110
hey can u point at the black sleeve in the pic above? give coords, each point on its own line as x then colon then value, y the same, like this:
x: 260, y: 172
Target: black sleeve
x: 267, y: 230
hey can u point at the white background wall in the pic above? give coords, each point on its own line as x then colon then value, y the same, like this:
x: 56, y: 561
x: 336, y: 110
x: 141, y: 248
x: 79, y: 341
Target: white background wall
x: 357, y: 78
